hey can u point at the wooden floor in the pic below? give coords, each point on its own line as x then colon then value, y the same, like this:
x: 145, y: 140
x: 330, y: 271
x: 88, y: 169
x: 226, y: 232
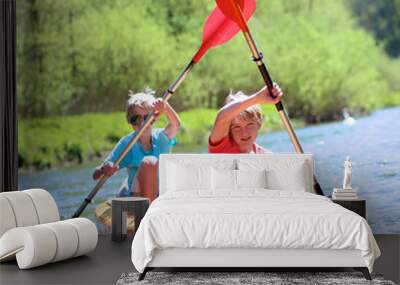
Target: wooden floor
x: 110, y: 260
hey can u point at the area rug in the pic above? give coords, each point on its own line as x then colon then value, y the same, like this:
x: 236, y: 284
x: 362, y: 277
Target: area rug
x: 231, y: 278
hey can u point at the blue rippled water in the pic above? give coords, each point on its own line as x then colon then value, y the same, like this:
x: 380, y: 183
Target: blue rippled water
x: 373, y: 143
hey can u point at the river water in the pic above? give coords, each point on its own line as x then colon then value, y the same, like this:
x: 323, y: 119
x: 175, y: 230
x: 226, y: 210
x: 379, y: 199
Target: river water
x: 373, y: 143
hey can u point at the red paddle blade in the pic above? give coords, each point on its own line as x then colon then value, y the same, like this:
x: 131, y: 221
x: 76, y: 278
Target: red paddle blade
x: 233, y: 9
x: 219, y: 28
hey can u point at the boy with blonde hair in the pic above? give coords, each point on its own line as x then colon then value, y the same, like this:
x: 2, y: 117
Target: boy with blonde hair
x: 141, y: 161
x: 237, y: 123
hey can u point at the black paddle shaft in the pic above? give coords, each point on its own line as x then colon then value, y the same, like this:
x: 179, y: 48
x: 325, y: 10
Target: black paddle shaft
x: 150, y: 120
x: 267, y: 78
x: 279, y: 106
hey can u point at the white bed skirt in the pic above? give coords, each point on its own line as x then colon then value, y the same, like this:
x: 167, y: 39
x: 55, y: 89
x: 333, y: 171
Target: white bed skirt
x: 192, y: 257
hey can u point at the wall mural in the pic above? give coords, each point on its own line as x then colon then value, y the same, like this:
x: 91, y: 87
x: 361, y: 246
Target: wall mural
x: 77, y: 61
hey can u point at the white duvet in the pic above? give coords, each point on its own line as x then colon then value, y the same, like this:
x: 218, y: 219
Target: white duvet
x: 253, y: 218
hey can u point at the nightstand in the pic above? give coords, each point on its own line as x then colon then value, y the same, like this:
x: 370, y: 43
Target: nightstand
x: 357, y: 206
x: 121, y: 206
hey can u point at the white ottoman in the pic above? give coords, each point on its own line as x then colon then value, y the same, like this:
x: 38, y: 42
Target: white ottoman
x: 31, y: 232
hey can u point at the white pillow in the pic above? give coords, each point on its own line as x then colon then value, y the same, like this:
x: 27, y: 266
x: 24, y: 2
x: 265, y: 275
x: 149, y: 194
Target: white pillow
x: 231, y: 180
x: 224, y: 179
x: 251, y: 178
x: 182, y: 177
x: 282, y: 173
x: 287, y: 175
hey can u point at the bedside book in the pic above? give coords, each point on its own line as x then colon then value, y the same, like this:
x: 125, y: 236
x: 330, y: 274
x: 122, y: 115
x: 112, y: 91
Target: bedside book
x: 340, y: 190
x: 345, y: 198
x: 344, y: 194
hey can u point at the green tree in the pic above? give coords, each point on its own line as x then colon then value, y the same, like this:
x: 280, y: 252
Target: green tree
x: 83, y: 56
x: 382, y: 18
x: 46, y: 55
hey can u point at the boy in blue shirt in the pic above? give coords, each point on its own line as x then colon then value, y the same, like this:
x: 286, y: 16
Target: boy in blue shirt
x: 141, y: 161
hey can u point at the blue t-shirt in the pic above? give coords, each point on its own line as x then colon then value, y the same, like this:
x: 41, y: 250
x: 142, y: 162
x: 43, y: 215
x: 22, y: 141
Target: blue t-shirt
x: 160, y: 144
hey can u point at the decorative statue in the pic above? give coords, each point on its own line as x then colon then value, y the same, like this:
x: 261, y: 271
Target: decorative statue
x: 347, y: 173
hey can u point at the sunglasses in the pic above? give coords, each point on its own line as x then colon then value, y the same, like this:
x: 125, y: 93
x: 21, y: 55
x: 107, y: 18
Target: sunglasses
x: 135, y: 119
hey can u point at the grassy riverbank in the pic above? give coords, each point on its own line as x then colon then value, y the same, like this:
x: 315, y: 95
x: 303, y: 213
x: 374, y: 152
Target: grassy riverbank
x: 59, y: 141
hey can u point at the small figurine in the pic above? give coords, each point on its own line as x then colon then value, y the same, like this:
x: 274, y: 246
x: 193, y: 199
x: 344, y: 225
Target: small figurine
x: 347, y: 174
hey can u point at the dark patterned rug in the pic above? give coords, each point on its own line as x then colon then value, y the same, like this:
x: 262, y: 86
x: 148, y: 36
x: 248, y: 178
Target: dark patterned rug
x: 231, y: 278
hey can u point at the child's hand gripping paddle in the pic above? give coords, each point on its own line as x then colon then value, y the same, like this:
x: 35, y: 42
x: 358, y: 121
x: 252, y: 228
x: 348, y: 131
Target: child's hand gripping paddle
x: 218, y: 29
x: 233, y: 9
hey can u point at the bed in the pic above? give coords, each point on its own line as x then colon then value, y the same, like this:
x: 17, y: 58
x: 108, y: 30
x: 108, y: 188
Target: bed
x: 247, y: 211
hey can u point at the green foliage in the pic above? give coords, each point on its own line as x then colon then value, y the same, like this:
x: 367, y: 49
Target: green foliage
x: 83, y: 56
x: 382, y: 18
x: 54, y: 141
x: 47, y: 50
x: 328, y: 63
x: 51, y: 141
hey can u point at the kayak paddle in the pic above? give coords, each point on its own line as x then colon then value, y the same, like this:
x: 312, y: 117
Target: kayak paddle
x: 233, y: 9
x: 217, y: 30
